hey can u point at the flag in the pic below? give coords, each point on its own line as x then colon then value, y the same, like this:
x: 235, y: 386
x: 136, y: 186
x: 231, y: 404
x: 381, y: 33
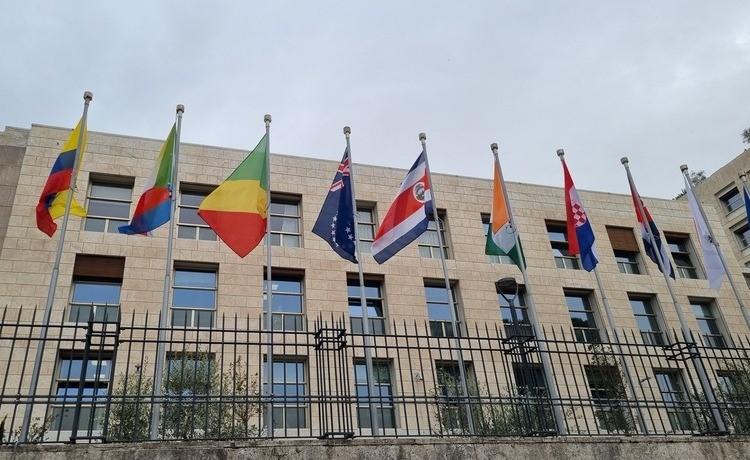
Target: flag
x: 237, y: 210
x: 335, y: 222
x: 746, y: 199
x: 501, y: 236
x: 714, y: 267
x: 154, y: 206
x: 580, y: 234
x: 408, y: 216
x: 654, y: 253
x: 55, y: 193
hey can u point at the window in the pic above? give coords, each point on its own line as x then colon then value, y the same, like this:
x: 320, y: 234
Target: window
x: 189, y: 374
x: 494, y: 259
x: 449, y: 390
x: 438, y: 309
x: 608, y: 393
x: 95, y: 293
x: 429, y: 246
x: 732, y: 200
x: 374, y: 300
x: 366, y: 222
x: 647, y: 320
x: 189, y: 224
x: 558, y: 238
x: 108, y: 204
x: 96, y: 377
x: 679, y: 246
x: 673, y: 394
x: 582, y: 317
x: 625, y: 249
x: 383, y: 398
x: 194, y: 297
x: 288, y: 300
x: 515, y: 316
x: 708, y: 323
x: 534, y: 411
x: 289, y: 392
x: 285, y: 221
x: 743, y: 236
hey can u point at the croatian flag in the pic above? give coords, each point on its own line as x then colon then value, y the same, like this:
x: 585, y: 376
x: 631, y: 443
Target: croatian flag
x: 408, y: 216
x: 335, y: 222
x: 154, y: 206
x: 659, y: 252
x: 580, y: 234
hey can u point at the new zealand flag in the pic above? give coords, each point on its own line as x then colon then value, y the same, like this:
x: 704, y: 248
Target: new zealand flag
x: 335, y: 222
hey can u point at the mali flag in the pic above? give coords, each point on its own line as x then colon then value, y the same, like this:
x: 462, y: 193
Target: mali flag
x: 55, y: 193
x: 237, y: 209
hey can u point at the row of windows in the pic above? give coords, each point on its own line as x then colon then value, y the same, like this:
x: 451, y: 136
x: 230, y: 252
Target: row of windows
x: 194, y: 305
x: 109, y: 207
x: 290, y: 388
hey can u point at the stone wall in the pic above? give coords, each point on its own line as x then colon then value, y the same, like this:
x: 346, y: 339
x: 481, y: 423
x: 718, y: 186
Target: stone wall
x: 404, y: 449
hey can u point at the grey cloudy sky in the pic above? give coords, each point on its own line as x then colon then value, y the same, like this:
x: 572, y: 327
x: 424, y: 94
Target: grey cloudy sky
x: 664, y: 82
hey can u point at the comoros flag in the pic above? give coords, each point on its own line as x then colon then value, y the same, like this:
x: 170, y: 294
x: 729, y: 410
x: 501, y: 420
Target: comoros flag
x: 580, y: 234
x: 153, y: 208
x: 408, y: 216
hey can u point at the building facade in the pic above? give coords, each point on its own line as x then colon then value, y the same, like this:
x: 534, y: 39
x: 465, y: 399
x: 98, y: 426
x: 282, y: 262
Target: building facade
x: 105, y: 274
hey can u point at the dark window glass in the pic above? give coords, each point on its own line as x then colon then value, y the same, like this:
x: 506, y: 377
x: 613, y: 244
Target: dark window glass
x: 438, y: 310
x: 582, y: 317
x: 289, y: 393
x: 194, y: 297
x: 288, y: 302
x: 732, y: 200
x: 429, y: 244
x: 559, y: 241
x: 627, y: 262
x: 683, y: 260
x: 708, y: 323
x: 673, y: 394
x: 647, y: 320
x: 108, y: 206
x: 374, y: 300
x: 383, y: 392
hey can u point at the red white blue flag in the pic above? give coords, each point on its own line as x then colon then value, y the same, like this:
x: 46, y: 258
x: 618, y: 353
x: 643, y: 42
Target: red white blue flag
x: 657, y: 251
x: 580, y: 234
x: 408, y: 216
x: 335, y: 222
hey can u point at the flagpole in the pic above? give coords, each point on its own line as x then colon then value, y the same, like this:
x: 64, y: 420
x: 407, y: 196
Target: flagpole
x: 451, y: 300
x: 362, y: 296
x: 715, y: 242
x: 269, y: 285
x: 697, y: 363
x: 164, y: 314
x: 531, y: 309
x: 613, y: 326
x: 88, y: 96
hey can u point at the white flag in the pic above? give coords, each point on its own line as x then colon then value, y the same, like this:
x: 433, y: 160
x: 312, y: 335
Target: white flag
x: 714, y: 268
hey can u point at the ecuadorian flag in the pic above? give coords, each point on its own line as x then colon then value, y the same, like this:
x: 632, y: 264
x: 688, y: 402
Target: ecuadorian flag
x: 55, y: 193
x: 237, y: 209
x: 154, y: 206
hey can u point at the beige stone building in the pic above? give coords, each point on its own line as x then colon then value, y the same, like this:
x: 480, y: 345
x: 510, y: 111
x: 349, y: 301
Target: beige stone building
x: 106, y: 271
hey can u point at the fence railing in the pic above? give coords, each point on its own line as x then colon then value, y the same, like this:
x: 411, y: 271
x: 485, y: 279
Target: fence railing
x: 97, y: 384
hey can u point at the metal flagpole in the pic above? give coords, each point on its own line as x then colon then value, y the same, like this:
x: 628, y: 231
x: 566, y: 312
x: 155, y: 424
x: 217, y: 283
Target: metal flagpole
x: 697, y: 363
x: 452, y: 306
x: 88, y: 96
x: 613, y: 326
x: 715, y: 242
x: 362, y: 296
x: 531, y: 310
x: 269, y: 284
x: 164, y: 314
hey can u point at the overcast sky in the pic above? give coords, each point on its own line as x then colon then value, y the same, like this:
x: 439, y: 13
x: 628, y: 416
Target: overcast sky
x: 664, y: 82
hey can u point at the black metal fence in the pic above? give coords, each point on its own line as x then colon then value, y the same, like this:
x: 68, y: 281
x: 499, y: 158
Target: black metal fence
x: 97, y: 382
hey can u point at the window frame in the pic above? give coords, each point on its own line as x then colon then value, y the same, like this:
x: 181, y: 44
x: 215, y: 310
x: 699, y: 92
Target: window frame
x: 351, y: 282
x: 433, y: 324
x: 563, y: 261
x: 680, y: 418
x: 199, y: 229
x: 687, y: 251
x: 286, y: 199
x: 382, y: 403
x: 632, y: 266
x: 658, y: 337
x: 718, y: 339
x: 77, y: 305
x: 584, y: 334
x: 299, y: 318
x: 285, y: 401
x: 369, y: 208
x: 727, y: 203
x: 515, y: 329
x: 113, y: 182
x: 428, y: 250
x: 194, y: 317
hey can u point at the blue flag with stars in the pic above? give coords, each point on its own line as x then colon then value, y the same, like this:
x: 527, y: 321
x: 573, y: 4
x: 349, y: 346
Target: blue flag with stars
x: 335, y: 222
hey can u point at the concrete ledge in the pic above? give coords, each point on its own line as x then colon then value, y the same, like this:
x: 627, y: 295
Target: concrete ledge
x: 641, y: 448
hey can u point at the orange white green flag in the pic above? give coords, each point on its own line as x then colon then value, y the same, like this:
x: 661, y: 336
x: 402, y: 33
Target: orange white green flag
x: 501, y: 235
x: 238, y: 208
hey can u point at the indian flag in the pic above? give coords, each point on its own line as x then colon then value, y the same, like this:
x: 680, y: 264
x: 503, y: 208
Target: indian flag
x: 501, y: 236
x: 237, y: 209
